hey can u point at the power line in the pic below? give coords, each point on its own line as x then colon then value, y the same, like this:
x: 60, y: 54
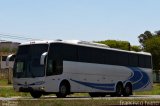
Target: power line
x: 16, y: 37
x: 1, y: 40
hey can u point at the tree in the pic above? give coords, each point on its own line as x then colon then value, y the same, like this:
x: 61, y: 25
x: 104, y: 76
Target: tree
x: 150, y: 42
x: 136, y: 48
x: 143, y: 37
x: 153, y: 46
x: 124, y: 45
x: 7, y: 49
x: 157, y: 33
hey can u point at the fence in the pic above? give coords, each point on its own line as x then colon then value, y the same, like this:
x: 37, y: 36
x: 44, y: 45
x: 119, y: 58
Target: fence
x: 6, y: 74
x: 156, y: 76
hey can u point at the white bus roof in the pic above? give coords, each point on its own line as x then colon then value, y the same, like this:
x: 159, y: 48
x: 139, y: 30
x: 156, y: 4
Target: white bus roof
x: 82, y: 43
x: 37, y: 42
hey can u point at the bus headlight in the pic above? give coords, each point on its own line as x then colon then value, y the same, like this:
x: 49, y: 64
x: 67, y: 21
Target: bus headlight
x: 41, y: 88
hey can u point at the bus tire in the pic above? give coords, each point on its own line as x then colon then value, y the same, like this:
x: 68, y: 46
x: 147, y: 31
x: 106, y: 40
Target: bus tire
x: 63, y: 90
x: 36, y: 94
x: 127, y: 90
x: 119, y: 90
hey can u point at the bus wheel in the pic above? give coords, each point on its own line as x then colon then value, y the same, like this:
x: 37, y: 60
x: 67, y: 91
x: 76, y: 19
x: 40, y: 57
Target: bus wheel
x: 119, y: 90
x: 63, y: 91
x: 127, y: 90
x: 36, y: 94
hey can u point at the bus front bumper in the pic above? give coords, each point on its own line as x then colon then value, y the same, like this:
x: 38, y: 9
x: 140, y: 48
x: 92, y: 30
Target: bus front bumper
x: 29, y: 89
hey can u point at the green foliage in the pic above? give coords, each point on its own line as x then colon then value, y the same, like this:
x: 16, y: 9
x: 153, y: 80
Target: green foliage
x: 124, y: 45
x: 143, y: 37
x: 10, y: 92
x: 136, y: 48
x: 6, y: 49
x: 153, y: 46
x: 4, y: 82
x: 155, y: 90
x: 150, y: 42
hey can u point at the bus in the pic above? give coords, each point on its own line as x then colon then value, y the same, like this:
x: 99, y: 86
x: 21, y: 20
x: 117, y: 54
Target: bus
x: 67, y: 67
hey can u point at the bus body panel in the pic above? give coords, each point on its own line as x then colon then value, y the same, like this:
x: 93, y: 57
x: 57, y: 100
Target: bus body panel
x: 88, y: 77
x: 97, y: 77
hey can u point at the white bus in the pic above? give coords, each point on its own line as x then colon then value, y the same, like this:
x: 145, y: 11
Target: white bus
x: 66, y: 67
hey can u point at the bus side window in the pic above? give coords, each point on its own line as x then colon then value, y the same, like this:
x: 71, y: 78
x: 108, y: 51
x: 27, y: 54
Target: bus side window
x: 54, y: 67
x: 49, y: 68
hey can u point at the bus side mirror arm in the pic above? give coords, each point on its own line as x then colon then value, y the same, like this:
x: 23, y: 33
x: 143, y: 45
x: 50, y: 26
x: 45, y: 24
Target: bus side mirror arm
x: 8, y: 59
x: 43, y: 56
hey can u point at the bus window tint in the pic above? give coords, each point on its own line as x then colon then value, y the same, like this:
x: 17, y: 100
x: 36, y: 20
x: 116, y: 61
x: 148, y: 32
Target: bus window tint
x: 37, y: 50
x: 98, y: 55
x: 19, y: 67
x: 110, y: 57
x: 84, y: 54
x: 148, y: 61
x: 54, y: 67
x: 55, y: 51
x: 35, y: 62
x: 23, y: 50
x: 142, y: 61
x: 49, y: 68
x: 69, y: 52
x: 122, y: 58
x: 133, y: 60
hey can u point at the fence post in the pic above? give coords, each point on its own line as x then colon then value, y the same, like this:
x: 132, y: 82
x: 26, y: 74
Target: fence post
x: 9, y: 75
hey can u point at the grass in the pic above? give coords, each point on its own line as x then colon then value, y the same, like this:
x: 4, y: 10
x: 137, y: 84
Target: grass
x: 6, y: 90
x: 9, y: 92
x: 59, y: 103
x: 47, y: 101
x: 91, y: 102
x: 154, y: 91
x: 69, y: 102
x: 4, y: 82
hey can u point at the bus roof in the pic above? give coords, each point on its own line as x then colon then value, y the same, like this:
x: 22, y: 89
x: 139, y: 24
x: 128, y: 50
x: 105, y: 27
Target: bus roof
x: 82, y: 43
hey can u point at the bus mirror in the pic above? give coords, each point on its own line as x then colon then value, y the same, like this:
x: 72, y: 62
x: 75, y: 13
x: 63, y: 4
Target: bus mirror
x: 10, y: 57
x: 43, y: 56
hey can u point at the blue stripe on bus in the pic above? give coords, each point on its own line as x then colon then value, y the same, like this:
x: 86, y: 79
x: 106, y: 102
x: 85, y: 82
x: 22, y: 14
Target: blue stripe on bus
x: 109, y: 87
x: 138, y: 78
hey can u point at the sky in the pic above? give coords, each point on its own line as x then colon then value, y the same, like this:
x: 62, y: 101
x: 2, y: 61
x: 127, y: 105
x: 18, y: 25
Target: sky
x: 88, y: 20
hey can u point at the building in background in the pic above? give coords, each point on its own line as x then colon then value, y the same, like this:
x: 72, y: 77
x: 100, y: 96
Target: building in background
x: 6, y: 48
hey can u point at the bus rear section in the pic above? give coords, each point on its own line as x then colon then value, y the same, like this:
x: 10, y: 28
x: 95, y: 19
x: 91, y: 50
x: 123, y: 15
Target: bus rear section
x: 98, y: 71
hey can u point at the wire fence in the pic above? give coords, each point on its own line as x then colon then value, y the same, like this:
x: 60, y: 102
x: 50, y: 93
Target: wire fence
x: 4, y: 74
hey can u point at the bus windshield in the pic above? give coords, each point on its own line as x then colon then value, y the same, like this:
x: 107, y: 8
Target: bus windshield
x: 27, y: 61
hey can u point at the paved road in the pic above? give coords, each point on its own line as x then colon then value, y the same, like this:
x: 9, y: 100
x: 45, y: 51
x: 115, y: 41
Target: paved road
x: 139, y: 97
